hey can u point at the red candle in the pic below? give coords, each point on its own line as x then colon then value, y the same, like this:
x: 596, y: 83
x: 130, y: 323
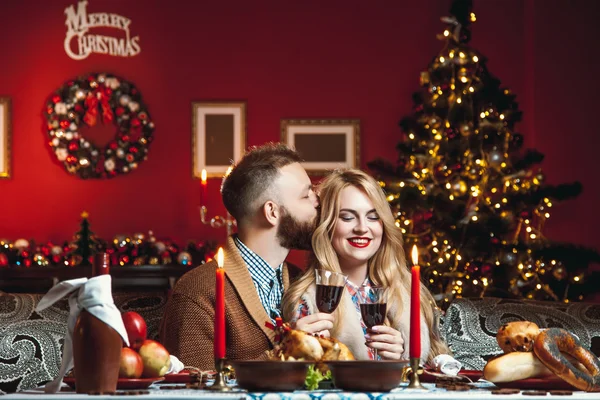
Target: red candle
x: 415, y: 306
x: 203, y: 185
x: 219, y: 341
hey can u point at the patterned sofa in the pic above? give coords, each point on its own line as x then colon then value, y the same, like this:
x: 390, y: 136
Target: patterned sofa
x: 470, y: 325
x: 31, y: 342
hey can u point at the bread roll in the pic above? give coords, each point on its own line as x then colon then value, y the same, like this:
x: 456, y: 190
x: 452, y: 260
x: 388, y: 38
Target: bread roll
x: 517, y: 336
x: 513, y: 367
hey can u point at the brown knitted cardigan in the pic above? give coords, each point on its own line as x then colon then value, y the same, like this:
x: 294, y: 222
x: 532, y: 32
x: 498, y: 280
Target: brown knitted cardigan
x: 187, y: 328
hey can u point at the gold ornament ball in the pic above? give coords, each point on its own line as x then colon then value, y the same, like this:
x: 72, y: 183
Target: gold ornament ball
x: 21, y: 244
x: 475, y: 171
x: 559, y: 272
x: 56, y: 250
x: 507, y: 215
x: 435, y: 122
x: 153, y: 261
x: 458, y: 188
x: 496, y: 158
x: 465, y: 129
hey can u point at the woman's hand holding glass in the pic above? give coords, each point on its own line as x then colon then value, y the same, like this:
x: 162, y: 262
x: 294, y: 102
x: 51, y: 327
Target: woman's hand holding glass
x: 330, y: 287
x: 320, y: 323
x: 387, y: 341
x: 373, y: 309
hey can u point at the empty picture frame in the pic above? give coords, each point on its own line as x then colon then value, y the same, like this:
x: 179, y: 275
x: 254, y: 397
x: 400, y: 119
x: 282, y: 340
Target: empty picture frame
x: 4, y: 138
x: 218, y: 136
x: 324, y: 144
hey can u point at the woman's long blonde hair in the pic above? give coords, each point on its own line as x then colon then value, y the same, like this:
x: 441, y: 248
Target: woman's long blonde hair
x: 386, y: 268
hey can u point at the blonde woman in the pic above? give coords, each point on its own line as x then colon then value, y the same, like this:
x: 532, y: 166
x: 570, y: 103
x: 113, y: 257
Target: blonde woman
x: 357, y: 236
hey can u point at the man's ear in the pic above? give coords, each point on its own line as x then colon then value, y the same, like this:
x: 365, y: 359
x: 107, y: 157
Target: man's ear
x: 272, y: 212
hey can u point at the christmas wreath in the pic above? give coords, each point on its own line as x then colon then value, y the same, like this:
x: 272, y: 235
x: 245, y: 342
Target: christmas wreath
x: 80, y: 101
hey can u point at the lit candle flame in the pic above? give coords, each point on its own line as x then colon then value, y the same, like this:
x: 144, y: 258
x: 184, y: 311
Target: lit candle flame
x: 203, y: 176
x: 415, y: 255
x: 220, y: 258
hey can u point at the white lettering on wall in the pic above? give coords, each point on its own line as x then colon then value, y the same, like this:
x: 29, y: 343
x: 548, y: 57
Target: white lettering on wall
x: 79, y: 22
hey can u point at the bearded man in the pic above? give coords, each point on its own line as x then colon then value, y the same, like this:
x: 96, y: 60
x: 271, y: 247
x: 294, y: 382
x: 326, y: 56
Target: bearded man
x: 271, y: 197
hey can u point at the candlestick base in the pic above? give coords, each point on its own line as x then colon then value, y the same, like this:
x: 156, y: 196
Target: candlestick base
x: 414, y: 382
x: 219, y: 384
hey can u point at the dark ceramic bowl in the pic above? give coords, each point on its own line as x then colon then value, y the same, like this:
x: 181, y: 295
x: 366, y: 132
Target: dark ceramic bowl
x: 263, y: 376
x: 367, y: 376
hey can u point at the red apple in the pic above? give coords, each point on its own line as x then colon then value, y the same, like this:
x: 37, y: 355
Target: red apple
x: 155, y: 358
x: 131, y: 365
x: 136, y: 328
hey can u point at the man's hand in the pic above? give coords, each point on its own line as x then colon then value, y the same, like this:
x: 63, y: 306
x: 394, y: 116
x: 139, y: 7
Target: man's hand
x: 387, y: 340
x: 319, y: 323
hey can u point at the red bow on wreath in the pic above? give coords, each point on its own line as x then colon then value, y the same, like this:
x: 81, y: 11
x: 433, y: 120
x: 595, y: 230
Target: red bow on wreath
x: 95, y: 97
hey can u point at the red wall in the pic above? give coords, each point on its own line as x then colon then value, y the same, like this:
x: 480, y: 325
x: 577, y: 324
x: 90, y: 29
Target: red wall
x: 287, y: 59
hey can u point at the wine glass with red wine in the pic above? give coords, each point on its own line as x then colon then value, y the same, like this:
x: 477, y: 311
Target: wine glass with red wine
x: 330, y: 287
x: 373, y: 307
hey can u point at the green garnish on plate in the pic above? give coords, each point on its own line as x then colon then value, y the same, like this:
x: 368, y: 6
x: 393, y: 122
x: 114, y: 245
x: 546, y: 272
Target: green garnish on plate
x: 314, y: 377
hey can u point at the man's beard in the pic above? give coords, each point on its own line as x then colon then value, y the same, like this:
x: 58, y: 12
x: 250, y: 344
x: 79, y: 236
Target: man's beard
x: 293, y: 234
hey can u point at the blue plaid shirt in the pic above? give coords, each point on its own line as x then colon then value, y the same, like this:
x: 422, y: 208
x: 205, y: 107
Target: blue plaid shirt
x: 267, y: 281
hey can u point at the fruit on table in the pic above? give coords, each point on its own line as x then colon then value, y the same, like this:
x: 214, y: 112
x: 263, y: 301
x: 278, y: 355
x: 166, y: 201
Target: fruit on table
x: 156, y: 359
x: 130, y: 365
x: 136, y: 328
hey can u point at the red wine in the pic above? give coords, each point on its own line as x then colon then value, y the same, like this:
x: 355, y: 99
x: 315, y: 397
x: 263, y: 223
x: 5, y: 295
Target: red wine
x: 373, y: 314
x: 328, y: 297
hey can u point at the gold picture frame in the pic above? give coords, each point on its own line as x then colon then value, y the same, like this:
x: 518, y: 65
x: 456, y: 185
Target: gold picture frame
x: 325, y: 144
x: 4, y: 138
x: 218, y: 136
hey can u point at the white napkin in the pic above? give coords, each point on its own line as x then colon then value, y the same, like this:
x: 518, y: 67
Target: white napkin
x: 93, y: 295
x: 176, y: 366
x: 446, y: 364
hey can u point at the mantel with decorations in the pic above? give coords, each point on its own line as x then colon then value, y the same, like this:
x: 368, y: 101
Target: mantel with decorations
x: 35, y: 279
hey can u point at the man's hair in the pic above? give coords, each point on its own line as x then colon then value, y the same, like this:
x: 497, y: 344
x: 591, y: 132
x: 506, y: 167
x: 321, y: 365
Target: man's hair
x: 249, y: 184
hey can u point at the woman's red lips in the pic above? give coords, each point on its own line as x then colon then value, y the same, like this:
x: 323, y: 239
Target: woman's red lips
x: 359, y: 242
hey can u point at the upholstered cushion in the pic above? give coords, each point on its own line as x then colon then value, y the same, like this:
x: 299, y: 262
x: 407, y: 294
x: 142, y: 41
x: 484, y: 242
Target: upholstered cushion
x: 470, y: 325
x: 31, y: 342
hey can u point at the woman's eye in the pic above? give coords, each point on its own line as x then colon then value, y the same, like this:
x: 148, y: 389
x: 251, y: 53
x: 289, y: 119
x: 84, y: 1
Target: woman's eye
x: 373, y: 217
x: 346, y: 219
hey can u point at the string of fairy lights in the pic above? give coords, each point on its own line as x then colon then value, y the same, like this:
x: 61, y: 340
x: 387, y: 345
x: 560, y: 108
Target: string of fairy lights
x: 461, y: 148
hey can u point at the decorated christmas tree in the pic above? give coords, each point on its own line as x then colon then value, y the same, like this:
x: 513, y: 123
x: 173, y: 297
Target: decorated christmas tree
x: 466, y: 192
x: 85, y: 243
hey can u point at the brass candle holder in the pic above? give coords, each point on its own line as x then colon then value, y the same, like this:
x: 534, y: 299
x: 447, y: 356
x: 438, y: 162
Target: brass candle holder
x: 414, y: 381
x: 218, y: 221
x: 219, y: 385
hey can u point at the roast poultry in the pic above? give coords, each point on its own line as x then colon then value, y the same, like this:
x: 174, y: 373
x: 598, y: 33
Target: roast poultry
x: 299, y: 345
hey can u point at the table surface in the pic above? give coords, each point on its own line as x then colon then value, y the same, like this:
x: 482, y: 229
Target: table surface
x: 480, y: 391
